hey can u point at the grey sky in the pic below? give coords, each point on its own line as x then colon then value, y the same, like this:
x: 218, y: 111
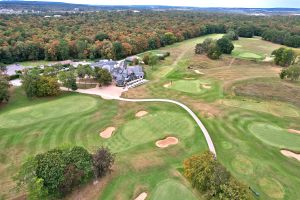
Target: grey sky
x: 199, y: 3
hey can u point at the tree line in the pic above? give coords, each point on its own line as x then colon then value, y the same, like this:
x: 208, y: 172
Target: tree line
x: 115, y: 35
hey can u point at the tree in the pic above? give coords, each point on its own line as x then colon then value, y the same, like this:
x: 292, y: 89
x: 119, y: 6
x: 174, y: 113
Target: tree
x: 246, y: 31
x: 103, y: 160
x: 101, y: 36
x: 292, y: 72
x: 207, y: 175
x: 226, y: 46
x: 284, y: 57
x: 68, y: 79
x: 153, y: 59
x: 103, y: 76
x: 30, y: 81
x: 47, y: 86
x: 4, y: 86
x: 56, y: 173
x: 3, y: 68
x: 202, y: 48
x: 118, y: 51
x: 232, y: 35
x: 214, y: 51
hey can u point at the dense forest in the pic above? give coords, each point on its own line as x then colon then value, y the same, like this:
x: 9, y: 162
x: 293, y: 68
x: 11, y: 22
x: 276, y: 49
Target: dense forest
x: 112, y: 34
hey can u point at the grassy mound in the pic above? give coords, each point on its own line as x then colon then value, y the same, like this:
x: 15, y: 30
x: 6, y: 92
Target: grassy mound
x: 275, y: 136
x: 274, y: 108
x: 172, y: 190
x: 151, y: 128
x: 272, y: 188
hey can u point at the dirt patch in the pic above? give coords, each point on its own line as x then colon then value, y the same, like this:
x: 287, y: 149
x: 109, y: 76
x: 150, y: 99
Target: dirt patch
x: 206, y: 86
x: 290, y: 154
x: 141, y: 113
x: 166, y: 142
x: 142, y: 161
x: 107, y: 133
x: 271, y: 187
x: 242, y: 165
x: 142, y: 196
x: 294, y: 131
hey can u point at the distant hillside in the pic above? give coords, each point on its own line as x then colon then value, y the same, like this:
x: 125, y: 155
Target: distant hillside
x: 38, y: 6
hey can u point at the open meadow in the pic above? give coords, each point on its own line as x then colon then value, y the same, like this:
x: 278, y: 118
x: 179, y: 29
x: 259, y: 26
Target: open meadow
x: 232, y: 96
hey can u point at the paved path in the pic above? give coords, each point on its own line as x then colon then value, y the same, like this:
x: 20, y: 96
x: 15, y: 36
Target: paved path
x: 197, y: 120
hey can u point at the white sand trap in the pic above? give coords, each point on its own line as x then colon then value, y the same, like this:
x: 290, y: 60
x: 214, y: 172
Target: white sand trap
x: 290, y: 154
x: 198, y: 72
x: 142, y: 196
x: 188, y: 78
x: 166, y: 142
x: 268, y: 59
x: 294, y: 131
x: 167, y: 85
x: 206, y: 86
x: 141, y: 113
x: 107, y: 133
x: 237, y: 45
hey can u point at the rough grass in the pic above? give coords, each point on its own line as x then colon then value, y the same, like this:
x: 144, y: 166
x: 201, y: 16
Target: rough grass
x: 276, y: 136
x: 270, y: 89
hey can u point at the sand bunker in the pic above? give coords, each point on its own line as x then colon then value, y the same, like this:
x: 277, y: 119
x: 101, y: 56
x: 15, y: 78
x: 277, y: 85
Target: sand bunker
x: 206, y: 86
x: 107, y: 133
x: 290, y: 154
x: 142, y: 196
x: 294, y: 131
x: 268, y: 59
x: 198, y: 72
x: 141, y: 113
x: 166, y: 142
x: 167, y: 85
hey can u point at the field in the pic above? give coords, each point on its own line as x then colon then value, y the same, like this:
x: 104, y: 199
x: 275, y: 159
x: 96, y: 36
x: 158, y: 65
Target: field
x: 232, y: 96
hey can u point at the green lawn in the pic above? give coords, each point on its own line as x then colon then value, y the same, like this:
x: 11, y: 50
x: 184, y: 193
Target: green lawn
x: 172, y: 190
x: 276, y: 136
x: 36, y: 63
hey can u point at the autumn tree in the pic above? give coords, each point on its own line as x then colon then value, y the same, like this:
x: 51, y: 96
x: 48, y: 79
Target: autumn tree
x: 103, y: 160
x: 68, y: 79
x: 207, y: 175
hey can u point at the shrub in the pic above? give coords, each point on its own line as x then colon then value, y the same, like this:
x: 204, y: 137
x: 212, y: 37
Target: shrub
x: 226, y: 46
x: 292, y: 72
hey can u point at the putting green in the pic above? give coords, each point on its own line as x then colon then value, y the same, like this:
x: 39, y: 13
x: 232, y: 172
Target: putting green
x: 274, y: 108
x: 189, y: 86
x: 172, y: 190
x: 52, y: 109
x: 271, y: 187
x: 250, y: 55
x: 151, y: 127
x: 275, y: 136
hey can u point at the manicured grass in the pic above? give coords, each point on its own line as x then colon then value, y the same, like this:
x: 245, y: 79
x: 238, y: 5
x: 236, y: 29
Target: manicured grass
x: 150, y: 128
x: 275, y: 136
x: 172, y: 190
x: 189, y: 86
